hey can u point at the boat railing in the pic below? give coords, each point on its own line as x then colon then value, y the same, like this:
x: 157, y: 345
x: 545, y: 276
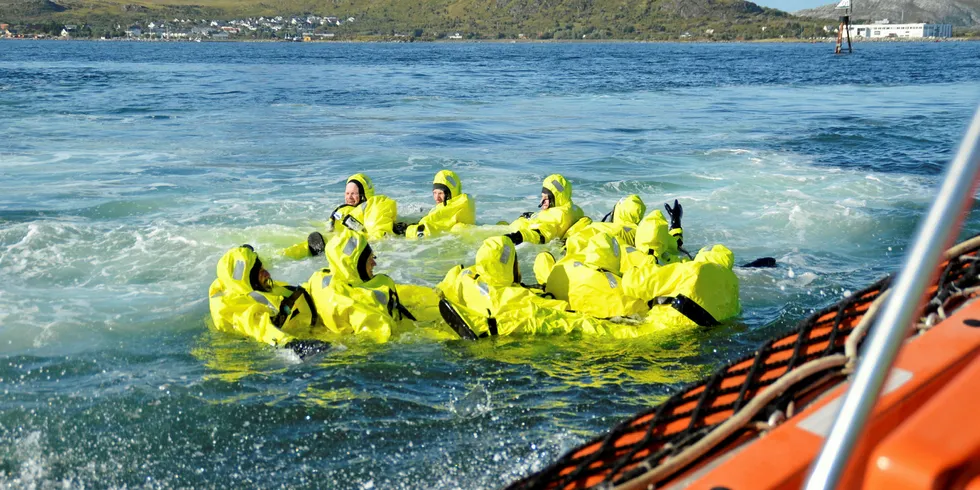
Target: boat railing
x: 934, y: 234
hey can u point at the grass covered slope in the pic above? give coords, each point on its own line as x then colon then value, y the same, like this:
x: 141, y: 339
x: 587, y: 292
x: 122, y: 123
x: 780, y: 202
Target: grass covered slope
x: 486, y: 19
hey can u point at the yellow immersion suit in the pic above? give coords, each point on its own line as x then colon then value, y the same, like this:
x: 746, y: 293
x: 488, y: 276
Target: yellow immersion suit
x: 455, y: 213
x: 590, y: 280
x: 349, y: 300
x: 626, y: 217
x: 491, y: 300
x: 374, y: 216
x: 489, y: 296
x: 276, y: 316
x: 552, y: 223
x: 655, y: 242
x: 703, y: 291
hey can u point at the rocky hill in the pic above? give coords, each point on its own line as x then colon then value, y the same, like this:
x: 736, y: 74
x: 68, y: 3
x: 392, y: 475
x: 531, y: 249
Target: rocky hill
x: 475, y: 19
x: 956, y: 12
x: 29, y: 8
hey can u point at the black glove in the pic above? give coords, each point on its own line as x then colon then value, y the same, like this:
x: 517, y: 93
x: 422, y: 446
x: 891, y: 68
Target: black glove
x: 762, y: 262
x: 399, y: 228
x: 515, y: 237
x: 315, y: 243
x: 420, y: 231
x: 527, y: 214
x: 675, y: 214
x: 307, y: 347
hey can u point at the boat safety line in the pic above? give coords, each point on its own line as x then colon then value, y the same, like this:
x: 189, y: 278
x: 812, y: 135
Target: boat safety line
x: 857, y: 335
x: 730, y: 426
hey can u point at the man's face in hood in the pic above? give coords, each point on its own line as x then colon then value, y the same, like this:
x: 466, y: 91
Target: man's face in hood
x: 352, y: 194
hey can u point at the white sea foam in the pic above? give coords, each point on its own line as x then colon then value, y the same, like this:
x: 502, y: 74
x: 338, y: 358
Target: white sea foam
x: 33, y: 470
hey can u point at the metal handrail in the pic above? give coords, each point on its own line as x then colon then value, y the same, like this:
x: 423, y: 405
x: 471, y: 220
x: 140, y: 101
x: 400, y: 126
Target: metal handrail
x: 934, y: 234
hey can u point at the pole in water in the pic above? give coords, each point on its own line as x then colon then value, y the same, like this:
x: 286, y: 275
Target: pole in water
x: 844, y: 29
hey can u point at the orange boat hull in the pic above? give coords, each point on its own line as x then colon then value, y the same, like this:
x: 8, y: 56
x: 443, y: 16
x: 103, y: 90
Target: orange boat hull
x: 926, y: 398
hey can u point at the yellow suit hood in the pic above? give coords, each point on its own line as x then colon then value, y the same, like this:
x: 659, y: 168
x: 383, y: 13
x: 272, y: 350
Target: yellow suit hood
x: 238, y: 269
x: 653, y: 234
x: 560, y: 188
x: 364, y: 182
x: 603, y: 252
x: 447, y: 180
x: 347, y: 253
x: 718, y: 254
x: 629, y: 211
x: 495, y: 261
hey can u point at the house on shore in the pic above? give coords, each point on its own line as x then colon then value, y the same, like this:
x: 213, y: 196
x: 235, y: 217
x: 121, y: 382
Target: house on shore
x: 883, y: 29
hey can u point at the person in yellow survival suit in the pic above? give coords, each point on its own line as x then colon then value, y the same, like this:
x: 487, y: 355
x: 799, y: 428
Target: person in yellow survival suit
x: 657, y: 241
x: 590, y: 280
x: 702, y: 291
x: 557, y: 214
x: 621, y: 223
x: 623, y: 220
x: 363, y: 210
x: 453, y: 211
x: 488, y: 298
x: 349, y: 297
x: 245, y: 300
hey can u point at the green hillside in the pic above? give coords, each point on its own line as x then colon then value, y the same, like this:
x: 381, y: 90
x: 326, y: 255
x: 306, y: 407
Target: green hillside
x: 435, y: 19
x: 28, y: 8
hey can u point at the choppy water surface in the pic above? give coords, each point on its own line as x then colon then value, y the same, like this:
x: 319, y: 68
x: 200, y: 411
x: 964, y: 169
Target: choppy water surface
x: 129, y: 168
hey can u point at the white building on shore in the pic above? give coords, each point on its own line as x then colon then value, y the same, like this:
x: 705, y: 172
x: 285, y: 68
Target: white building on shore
x: 885, y: 30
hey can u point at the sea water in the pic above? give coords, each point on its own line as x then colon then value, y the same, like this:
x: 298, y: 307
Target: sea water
x: 128, y: 169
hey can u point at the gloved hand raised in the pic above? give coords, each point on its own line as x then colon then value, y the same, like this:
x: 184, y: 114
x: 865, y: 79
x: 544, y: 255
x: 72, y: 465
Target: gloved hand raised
x: 315, y: 243
x: 675, y: 214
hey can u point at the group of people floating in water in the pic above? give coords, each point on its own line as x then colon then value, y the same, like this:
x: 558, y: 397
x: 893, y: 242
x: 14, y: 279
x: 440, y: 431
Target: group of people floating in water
x: 623, y: 276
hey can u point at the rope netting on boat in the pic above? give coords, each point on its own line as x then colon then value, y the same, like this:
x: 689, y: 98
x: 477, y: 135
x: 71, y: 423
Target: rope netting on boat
x: 750, y: 395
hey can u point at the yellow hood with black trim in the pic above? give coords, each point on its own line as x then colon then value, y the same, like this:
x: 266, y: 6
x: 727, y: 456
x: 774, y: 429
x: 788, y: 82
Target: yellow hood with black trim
x: 365, y: 183
x: 449, y: 179
x: 560, y: 187
x: 235, y: 268
x: 495, y: 261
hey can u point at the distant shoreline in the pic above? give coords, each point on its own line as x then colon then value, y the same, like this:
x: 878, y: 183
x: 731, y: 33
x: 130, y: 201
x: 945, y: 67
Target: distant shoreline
x: 511, y: 41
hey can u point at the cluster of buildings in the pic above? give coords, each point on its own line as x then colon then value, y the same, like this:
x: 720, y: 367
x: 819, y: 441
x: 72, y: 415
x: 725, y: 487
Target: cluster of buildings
x: 311, y: 26
x: 292, y: 28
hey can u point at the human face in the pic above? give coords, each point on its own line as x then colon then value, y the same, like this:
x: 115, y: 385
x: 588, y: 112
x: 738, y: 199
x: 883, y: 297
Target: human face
x: 370, y: 265
x: 352, y: 195
x: 545, y: 202
x: 439, y: 195
x: 265, y: 280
